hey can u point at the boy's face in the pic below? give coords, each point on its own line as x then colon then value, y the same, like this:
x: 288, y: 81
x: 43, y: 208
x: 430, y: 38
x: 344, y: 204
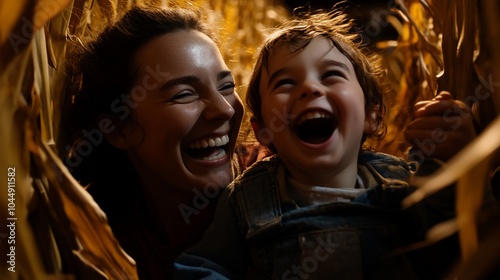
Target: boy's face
x: 313, y: 110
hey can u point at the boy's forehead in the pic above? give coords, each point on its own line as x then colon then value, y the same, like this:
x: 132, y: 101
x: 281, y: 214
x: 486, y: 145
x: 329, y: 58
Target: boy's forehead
x: 317, y: 49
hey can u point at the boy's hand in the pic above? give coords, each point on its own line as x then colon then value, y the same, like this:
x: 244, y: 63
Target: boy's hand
x: 441, y: 127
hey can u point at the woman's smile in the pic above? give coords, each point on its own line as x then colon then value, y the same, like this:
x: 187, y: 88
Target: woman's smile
x: 209, y: 149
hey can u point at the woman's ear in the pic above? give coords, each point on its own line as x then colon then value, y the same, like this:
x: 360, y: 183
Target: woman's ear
x: 371, y: 122
x: 260, y: 132
x: 116, y: 132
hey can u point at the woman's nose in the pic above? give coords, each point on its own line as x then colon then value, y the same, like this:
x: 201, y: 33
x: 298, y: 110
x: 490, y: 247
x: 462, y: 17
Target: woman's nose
x: 218, y: 107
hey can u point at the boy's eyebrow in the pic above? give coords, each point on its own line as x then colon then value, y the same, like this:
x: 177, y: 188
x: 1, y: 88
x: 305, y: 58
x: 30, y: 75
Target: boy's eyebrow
x: 327, y: 62
x: 337, y: 63
x: 276, y: 74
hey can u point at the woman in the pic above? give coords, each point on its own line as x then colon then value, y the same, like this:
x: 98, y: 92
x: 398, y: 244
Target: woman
x: 156, y: 117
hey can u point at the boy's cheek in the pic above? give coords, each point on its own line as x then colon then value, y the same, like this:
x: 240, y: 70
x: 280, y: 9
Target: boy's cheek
x: 262, y: 134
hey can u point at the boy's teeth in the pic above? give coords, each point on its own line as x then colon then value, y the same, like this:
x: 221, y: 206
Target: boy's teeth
x: 313, y: 115
x: 210, y: 142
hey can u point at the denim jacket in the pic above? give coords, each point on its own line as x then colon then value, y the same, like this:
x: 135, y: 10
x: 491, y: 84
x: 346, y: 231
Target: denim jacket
x: 259, y: 233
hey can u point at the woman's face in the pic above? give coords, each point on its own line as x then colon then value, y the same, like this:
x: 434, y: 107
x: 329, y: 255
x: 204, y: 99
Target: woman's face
x: 186, y: 114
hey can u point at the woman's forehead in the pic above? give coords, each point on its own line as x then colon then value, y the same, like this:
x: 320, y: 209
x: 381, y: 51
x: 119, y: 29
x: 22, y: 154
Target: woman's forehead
x: 183, y: 50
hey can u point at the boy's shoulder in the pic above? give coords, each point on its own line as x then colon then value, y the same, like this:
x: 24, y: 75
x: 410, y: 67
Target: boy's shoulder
x: 254, y: 193
x: 387, y: 165
x: 383, y: 158
x: 259, y: 180
x: 268, y: 165
x: 371, y: 156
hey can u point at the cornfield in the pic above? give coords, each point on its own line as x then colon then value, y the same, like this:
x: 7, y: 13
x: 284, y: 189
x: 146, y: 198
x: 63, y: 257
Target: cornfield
x: 442, y: 45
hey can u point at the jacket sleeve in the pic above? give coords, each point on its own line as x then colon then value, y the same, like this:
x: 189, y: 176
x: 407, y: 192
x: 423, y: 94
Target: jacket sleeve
x: 221, y: 253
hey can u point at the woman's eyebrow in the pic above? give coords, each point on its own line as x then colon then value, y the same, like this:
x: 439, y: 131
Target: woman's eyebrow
x: 190, y: 79
x: 221, y: 75
x: 180, y: 81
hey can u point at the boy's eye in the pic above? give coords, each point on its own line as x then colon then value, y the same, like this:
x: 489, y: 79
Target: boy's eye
x: 227, y: 88
x: 283, y: 82
x: 185, y: 96
x: 333, y: 73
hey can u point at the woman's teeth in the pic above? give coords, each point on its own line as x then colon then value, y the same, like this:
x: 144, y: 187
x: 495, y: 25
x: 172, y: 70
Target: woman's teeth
x: 208, y: 148
x: 210, y: 142
x: 220, y: 154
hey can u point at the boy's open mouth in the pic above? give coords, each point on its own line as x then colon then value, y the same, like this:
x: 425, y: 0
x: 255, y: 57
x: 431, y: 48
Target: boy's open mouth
x: 208, y: 149
x: 315, y: 127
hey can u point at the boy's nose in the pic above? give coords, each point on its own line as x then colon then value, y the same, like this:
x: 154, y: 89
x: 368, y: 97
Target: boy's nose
x: 217, y: 107
x: 310, y: 88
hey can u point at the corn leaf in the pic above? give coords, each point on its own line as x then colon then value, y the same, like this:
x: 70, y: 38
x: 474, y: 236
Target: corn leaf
x: 13, y: 151
x: 108, y: 8
x: 10, y: 13
x: 42, y: 85
x: 470, y: 190
x: 46, y: 10
x: 99, y: 248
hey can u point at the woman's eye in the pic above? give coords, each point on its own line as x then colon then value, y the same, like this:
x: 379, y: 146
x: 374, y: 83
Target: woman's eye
x: 185, y: 97
x: 227, y: 88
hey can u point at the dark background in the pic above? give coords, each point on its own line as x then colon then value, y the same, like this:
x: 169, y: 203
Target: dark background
x: 370, y: 16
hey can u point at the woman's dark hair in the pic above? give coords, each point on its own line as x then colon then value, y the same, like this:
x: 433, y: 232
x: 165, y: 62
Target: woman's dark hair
x: 101, y: 78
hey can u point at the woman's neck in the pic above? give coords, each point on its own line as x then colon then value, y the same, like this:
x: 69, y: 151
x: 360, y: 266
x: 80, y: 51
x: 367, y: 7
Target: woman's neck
x: 177, y: 217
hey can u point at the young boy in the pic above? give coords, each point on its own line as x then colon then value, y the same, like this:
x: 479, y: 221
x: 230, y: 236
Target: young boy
x: 321, y: 208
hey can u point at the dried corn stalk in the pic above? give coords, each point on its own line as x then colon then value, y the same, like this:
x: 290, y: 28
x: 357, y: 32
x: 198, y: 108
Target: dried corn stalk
x: 470, y: 168
x: 15, y: 160
x: 58, y: 228
x: 457, y: 23
x: 413, y: 66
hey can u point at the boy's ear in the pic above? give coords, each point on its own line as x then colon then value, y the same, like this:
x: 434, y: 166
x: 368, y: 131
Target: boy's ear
x: 260, y: 133
x: 371, y: 123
